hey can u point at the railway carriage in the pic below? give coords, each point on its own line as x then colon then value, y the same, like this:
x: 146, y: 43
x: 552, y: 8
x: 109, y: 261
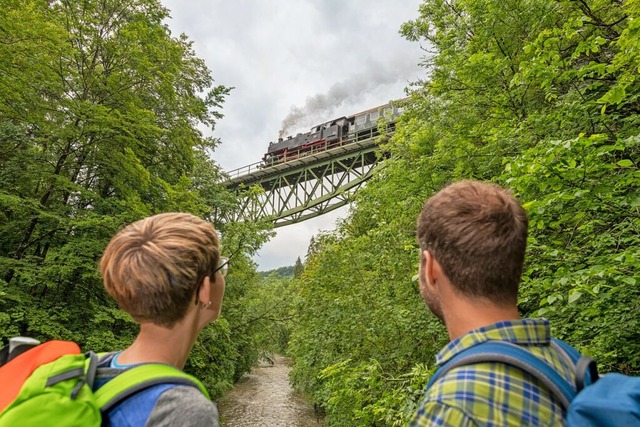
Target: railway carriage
x: 334, y: 133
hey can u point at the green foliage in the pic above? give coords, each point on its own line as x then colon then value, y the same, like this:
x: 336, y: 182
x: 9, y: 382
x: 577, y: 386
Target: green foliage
x: 359, y: 324
x: 298, y: 269
x: 392, y: 402
x: 102, y: 114
x: 584, y: 214
x: 100, y: 117
x: 281, y: 272
x: 538, y: 96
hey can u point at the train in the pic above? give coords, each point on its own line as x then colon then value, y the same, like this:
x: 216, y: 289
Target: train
x: 334, y: 133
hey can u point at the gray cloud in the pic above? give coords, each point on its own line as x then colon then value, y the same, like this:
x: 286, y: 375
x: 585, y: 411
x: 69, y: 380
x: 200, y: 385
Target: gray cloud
x: 319, y: 108
x: 325, y: 58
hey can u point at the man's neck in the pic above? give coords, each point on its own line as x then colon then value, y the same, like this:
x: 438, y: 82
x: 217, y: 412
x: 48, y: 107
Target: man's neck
x: 463, y: 315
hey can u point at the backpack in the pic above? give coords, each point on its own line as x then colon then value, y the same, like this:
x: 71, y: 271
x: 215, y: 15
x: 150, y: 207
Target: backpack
x: 52, y: 384
x: 593, y: 401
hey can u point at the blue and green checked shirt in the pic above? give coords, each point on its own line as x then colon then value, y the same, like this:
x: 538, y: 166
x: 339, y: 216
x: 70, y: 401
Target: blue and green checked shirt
x: 494, y: 394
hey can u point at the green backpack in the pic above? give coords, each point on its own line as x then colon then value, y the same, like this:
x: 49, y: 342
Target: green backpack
x: 52, y: 384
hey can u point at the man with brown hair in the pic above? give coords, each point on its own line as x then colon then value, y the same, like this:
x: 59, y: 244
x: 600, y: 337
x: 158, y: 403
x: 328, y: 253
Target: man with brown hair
x: 472, y: 239
x: 167, y: 273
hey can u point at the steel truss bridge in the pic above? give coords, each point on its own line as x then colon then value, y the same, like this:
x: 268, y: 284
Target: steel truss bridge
x: 306, y: 185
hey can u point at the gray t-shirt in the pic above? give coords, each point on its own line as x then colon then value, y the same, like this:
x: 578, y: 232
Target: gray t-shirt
x: 183, y: 406
x: 178, y: 405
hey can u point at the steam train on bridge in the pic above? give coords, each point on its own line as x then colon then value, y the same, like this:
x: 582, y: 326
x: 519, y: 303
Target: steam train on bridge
x: 331, y: 134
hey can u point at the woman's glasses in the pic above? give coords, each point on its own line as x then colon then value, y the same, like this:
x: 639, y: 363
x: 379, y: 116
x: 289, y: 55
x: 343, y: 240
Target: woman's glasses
x: 223, y: 266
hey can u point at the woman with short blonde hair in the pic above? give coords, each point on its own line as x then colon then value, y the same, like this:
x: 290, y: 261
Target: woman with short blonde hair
x: 167, y: 273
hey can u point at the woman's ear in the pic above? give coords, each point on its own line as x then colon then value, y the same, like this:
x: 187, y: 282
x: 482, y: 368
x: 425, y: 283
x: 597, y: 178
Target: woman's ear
x: 204, y: 294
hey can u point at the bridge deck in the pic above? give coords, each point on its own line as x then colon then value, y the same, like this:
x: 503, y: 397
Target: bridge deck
x: 307, y: 184
x: 256, y: 172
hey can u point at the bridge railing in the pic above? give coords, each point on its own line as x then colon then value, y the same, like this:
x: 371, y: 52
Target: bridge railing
x: 246, y: 170
x: 303, y: 152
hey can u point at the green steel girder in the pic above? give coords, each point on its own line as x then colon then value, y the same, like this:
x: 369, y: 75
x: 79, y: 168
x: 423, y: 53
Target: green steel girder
x: 307, y: 187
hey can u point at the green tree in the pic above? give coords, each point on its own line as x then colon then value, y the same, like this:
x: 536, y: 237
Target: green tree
x: 99, y: 123
x: 298, y: 269
x: 102, y: 112
x: 538, y: 96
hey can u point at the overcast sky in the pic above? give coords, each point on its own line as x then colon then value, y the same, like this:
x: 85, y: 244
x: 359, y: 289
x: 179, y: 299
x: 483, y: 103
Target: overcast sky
x: 304, y: 61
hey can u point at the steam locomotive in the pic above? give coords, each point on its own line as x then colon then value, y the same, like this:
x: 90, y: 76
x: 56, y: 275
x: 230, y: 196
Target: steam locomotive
x: 334, y: 133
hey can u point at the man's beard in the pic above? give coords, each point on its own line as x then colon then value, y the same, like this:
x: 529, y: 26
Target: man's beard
x: 431, y: 300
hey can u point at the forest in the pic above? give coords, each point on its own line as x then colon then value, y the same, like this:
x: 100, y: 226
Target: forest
x: 101, y: 111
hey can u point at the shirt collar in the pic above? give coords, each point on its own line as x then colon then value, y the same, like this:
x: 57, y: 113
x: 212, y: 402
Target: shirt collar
x: 522, y: 331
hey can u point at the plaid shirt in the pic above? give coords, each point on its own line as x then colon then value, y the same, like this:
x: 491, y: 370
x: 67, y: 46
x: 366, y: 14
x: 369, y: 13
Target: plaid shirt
x: 494, y: 394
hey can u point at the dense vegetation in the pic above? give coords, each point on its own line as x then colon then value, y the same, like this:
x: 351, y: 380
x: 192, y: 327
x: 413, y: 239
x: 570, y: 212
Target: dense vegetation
x: 100, y: 117
x: 283, y: 272
x: 540, y: 96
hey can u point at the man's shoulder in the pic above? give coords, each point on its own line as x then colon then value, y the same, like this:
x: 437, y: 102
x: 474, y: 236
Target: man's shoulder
x: 434, y: 412
x: 490, y: 392
x: 463, y: 385
x: 447, y: 400
x: 486, y: 380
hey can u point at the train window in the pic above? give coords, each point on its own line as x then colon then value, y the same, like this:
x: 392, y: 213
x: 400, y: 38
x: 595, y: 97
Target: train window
x: 374, y: 115
x: 361, y: 119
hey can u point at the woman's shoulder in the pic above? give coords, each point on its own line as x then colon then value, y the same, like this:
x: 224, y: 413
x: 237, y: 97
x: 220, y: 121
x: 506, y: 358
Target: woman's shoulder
x: 183, y: 405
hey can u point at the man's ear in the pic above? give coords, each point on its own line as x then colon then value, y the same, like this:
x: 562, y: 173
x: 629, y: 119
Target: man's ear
x: 424, y: 265
x: 204, y: 294
x: 431, y: 269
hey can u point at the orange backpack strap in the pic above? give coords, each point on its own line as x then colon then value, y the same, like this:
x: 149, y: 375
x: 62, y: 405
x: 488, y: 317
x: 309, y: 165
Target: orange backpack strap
x: 15, y: 372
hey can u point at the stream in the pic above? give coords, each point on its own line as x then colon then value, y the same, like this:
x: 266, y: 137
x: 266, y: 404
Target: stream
x: 264, y: 398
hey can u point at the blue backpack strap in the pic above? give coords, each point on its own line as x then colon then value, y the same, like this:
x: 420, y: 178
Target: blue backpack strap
x: 573, y: 354
x: 585, y: 369
x: 513, y: 355
x: 141, y: 377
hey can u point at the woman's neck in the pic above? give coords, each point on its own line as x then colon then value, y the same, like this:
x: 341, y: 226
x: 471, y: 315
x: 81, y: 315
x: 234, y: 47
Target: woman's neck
x: 160, y: 344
